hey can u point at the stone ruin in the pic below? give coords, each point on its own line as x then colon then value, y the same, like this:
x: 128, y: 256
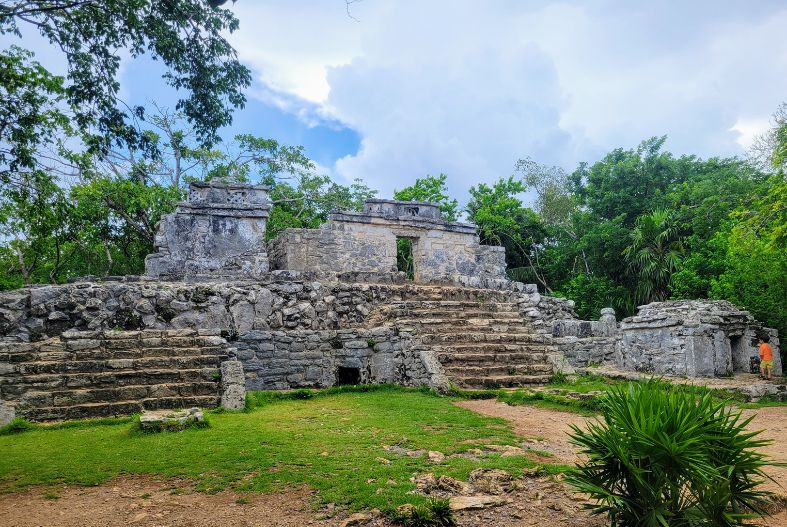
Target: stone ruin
x: 219, y: 311
x: 365, y: 242
x: 220, y: 229
x: 696, y: 338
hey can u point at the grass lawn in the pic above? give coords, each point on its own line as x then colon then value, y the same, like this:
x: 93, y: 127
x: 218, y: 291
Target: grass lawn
x: 586, y: 383
x: 332, y: 442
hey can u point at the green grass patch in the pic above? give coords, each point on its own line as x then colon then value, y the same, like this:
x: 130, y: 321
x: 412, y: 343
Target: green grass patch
x: 331, y: 440
x: 588, y: 407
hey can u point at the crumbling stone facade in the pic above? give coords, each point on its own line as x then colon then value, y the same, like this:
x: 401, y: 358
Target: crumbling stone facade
x: 693, y: 338
x: 210, y: 319
x: 220, y: 230
x: 365, y: 242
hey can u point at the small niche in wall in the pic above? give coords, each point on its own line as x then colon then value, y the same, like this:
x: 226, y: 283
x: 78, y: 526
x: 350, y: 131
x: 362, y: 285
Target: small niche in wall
x: 345, y: 376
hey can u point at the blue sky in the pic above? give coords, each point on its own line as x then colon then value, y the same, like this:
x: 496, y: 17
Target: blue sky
x: 407, y: 88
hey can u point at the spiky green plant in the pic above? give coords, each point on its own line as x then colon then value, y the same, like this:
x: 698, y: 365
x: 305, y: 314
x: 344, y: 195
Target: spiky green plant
x: 670, y: 458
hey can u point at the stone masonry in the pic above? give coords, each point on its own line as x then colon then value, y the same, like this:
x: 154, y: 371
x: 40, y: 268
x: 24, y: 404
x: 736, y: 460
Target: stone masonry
x: 210, y: 320
x: 693, y: 338
x: 219, y: 230
x: 365, y: 242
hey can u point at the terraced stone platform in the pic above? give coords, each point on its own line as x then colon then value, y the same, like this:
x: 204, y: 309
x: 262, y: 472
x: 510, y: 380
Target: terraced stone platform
x: 480, y: 344
x: 107, y: 373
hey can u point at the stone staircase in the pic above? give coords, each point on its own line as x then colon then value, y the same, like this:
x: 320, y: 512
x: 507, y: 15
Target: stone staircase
x: 99, y: 374
x: 480, y: 343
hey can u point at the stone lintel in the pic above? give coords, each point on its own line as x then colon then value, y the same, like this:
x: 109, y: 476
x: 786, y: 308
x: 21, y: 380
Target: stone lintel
x: 226, y: 210
x: 403, y: 221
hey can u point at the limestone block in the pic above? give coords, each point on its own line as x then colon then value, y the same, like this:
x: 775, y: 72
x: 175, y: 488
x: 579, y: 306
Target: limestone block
x: 7, y: 413
x: 233, y: 385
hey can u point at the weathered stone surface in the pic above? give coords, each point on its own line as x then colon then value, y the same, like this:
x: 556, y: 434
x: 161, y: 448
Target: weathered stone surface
x: 220, y: 229
x: 157, y: 420
x: 461, y: 503
x: 7, y: 413
x: 365, y: 242
x: 233, y: 385
x: 692, y: 338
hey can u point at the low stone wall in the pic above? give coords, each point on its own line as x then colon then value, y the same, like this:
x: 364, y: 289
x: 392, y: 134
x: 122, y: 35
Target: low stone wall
x: 587, y: 342
x: 276, y: 360
x: 234, y: 307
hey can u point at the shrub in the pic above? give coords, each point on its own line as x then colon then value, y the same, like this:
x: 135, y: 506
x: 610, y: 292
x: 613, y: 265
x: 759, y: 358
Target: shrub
x: 674, y: 458
x: 16, y: 426
x: 433, y: 513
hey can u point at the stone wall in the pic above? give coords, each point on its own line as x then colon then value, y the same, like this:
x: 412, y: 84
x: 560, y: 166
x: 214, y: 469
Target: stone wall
x: 366, y: 242
x: 276, y: 360
x: 220, y: 229
x: 585, y: 342
x: 99, y: 373
x: 692, y: 338
x: 234, y: 307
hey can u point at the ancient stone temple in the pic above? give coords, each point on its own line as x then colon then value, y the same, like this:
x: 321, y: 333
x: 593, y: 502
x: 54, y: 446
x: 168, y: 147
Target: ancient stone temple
x: 219, y: 310
x: 365, y: 242
x: 219, y: 230
x: 693, y: 338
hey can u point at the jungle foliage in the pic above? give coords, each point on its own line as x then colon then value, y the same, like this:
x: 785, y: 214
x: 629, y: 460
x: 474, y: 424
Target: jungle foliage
x: 84, y: 178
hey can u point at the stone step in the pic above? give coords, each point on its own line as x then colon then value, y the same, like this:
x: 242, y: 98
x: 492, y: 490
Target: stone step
x: 497, y: 370
x: 471, y: 337
x: 118, y: 408
x: 447, y: 359
x: 487, y: 306
x: 123, y: 393
x: 458, y: 314
x: 492, y: 348
x: 438, y: 326
x: 126, y: 364
x: 49, y: 382
x: 502, y: 381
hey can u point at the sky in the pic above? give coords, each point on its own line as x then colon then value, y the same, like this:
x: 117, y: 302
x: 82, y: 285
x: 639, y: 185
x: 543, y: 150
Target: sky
x: 395, y: 90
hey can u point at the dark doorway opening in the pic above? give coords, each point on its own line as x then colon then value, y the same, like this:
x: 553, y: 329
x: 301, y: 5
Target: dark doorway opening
x: 740, y: 357
x: 346, y: 376
x: 404, y: 257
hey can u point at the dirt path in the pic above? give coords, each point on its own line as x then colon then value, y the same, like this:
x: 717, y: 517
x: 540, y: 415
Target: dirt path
x: 145, y: 501
x: 538, y: 426
x: 543, y: 429
x: 773, y: 422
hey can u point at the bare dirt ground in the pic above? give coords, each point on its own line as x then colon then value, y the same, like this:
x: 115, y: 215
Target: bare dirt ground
x: 152, y: 502
x: 145, y: 501
x: 552, y: 427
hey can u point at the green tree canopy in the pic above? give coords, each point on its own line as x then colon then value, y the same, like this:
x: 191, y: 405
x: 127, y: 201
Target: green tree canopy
x: 187, y: 36
x: 432, y: 189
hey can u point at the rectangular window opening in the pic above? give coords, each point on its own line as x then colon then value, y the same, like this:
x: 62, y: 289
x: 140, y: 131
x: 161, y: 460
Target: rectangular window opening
x: 404, y: 257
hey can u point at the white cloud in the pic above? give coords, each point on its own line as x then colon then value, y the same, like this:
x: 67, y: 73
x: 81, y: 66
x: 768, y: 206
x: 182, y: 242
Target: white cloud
x: 466, y: 88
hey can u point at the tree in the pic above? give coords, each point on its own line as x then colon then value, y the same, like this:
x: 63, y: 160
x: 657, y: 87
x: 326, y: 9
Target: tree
x: 432, y: 189
x: 631, y: 182
x: 503, y: 220
x: 769, y: 150
x: 186, y: 36
x: 755, y: 263
x: 655, y: 253
x: 105, y: 221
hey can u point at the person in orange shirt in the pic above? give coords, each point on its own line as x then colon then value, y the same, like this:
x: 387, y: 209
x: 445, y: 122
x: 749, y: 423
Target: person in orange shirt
x: 766, y: 358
